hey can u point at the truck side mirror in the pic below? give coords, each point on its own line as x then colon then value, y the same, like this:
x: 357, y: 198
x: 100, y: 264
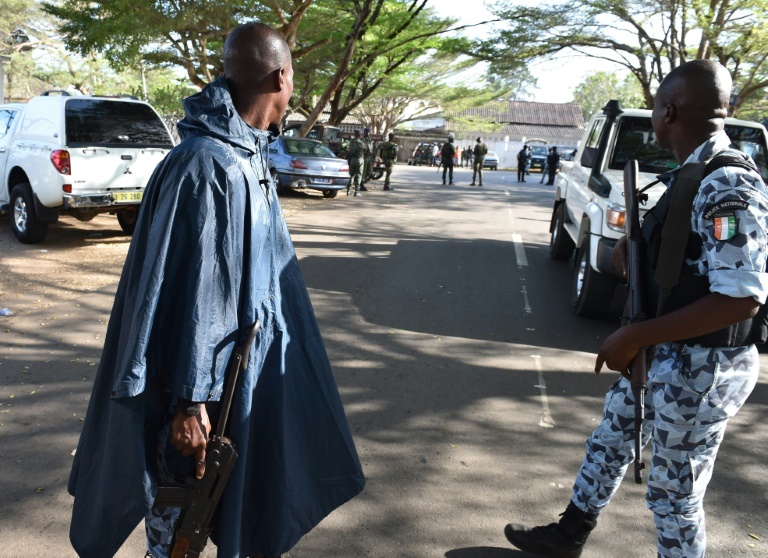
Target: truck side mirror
x: 588, y: 157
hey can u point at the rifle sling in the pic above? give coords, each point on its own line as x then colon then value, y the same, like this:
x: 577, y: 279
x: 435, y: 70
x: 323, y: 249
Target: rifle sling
x: 677, y: 229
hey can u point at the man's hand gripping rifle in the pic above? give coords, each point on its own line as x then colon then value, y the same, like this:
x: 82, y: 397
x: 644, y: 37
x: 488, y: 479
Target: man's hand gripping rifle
x: 199, y: 500
x: 638, y: 368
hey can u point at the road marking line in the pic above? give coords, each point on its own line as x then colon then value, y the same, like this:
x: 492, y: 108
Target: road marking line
x: 527, y: 304
x: 546, y: 420
x: 506, y: 192
x: 517, y: 240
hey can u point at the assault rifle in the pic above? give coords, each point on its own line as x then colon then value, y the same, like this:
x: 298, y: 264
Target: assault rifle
x: 638, y: 368
x: 199, y: 499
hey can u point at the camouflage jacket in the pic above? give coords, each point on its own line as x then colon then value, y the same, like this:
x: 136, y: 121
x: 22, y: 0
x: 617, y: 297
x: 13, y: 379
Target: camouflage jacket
x: 388, y: 150
x: 356, y: 149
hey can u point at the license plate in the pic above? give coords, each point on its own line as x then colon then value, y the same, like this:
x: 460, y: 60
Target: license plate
x: 321, y: 180
x: 126, y: 197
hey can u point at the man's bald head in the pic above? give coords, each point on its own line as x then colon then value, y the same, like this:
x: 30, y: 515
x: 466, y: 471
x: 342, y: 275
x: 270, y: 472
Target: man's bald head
x: 251, y: 53
x: 259, y: 71
x: 690, y: 106
x: 701, y: 91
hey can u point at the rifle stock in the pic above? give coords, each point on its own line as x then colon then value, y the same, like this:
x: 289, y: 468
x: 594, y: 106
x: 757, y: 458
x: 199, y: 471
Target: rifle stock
x: 638, y: 368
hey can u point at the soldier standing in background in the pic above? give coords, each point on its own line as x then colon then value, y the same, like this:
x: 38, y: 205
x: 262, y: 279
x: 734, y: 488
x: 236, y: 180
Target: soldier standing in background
x: 447, y: 152
x: 367, y: 157
x: 388, y: 150
x: 553, y: 161
x: 479, y: 152
x: 523, y: 158
x: 356, y: 160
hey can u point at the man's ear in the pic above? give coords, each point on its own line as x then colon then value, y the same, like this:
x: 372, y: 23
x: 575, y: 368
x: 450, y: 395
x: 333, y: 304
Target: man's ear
x: 670, y: 113
x: 279, y: 77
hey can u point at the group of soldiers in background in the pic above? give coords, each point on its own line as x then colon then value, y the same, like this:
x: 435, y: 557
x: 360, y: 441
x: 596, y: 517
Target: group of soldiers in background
x: 360, y: 155
x: 448, y: 154
x: 360, y: 152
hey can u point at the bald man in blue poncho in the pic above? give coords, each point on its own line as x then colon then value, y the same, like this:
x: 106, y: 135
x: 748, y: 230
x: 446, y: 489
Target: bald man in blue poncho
x: 211, y: 254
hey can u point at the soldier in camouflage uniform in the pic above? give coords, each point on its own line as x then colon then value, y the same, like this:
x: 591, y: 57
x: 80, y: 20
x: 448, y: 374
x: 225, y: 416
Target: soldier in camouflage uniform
x: 388, y: 150
x: 368, y: 158
x: 479, y: 153
x: 355, y: 157
x: 693, y: 387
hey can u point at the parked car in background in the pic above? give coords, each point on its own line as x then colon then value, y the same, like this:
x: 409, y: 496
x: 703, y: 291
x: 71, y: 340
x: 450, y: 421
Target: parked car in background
x: 421, y: 155
x: 539, y: 157
x: 79, y: 156
x: 567, y: 152
x: 491, y: 160
x: 304, y: 163
x: 329, y: 136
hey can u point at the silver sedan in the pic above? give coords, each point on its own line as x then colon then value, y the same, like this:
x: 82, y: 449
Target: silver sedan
x: 304, y: 163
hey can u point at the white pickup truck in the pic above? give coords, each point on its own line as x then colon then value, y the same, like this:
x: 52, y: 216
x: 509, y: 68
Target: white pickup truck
x: 588, y: 213
x: 78, y: 156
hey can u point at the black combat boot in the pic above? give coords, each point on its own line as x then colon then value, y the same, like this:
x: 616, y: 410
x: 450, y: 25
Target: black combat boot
x: 564, y: 539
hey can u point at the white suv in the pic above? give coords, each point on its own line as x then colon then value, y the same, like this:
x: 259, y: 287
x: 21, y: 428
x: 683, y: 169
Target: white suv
x: 588, y: 213
x: 78, y: 156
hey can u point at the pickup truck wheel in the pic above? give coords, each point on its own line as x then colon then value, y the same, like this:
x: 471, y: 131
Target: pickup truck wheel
x: 127, y: 219
x: 592, y: 291
x: 330, y: 193
x: 561, y: 245
x: 24, y: 223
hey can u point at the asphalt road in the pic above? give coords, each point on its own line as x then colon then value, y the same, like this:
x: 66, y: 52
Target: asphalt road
x: 467, y: 380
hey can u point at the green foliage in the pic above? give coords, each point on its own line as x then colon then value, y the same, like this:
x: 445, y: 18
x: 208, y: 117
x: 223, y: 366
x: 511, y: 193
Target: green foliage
x: 647, y: 37
x: 186, y: 33
x: 600, y: 87
x: 13, y: 16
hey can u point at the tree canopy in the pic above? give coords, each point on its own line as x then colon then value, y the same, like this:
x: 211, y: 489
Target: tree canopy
x: 647, y: 37
x: 344, y: 50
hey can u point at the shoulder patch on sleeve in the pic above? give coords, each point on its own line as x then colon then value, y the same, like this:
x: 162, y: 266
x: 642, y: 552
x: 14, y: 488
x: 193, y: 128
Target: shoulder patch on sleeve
x: 725, y: 207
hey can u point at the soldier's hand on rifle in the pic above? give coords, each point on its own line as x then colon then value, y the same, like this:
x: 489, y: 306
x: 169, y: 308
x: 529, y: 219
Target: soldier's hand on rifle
x: 617, y: 351
x: 619, y: 256
x: 189, y: 435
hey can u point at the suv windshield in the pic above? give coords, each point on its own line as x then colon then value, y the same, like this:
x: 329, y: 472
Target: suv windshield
x: 115, y: 123
x: 539, y: 150
x: 307, y: 147
x: 636, y: 140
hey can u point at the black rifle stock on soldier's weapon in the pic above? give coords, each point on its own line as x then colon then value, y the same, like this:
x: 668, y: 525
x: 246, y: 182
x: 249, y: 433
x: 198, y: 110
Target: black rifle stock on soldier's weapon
x: 638, y: 369
x: 199, y: 499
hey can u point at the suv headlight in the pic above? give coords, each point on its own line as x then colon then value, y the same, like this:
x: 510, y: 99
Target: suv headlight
x: 614, y: 217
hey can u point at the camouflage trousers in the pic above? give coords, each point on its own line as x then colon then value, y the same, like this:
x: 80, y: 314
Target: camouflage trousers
x: 355, y: 174
x: 692, y: 392
x: 477, y: 171
x: 159, y: 524
x: 388, y: 164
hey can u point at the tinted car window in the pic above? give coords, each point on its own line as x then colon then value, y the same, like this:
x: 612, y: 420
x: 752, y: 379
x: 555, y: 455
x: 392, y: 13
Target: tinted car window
x: 636, y: 140
x: 594, y: 134
x: 304, y: 147
x: 105, y: 122
x: 539, y: 150
x: 751, y: 142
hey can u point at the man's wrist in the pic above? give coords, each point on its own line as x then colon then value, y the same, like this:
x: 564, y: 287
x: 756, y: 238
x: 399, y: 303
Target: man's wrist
x: 189, y: 408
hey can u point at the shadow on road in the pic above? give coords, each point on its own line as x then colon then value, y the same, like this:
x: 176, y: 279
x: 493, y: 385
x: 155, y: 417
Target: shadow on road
x: 486, y: 552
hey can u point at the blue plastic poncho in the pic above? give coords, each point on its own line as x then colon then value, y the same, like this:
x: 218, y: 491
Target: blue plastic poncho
x: 211, y: 254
